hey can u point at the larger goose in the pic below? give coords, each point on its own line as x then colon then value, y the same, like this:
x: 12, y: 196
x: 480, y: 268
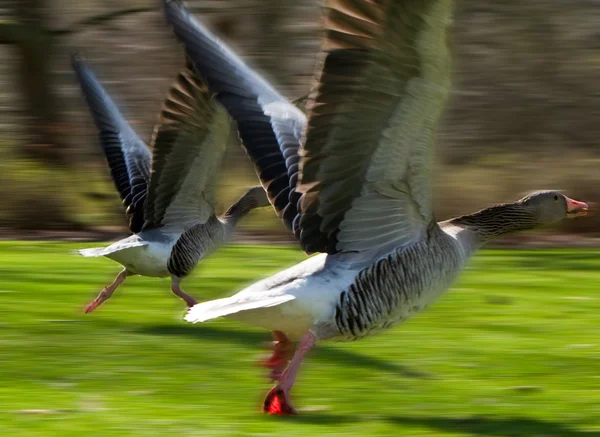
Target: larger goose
x: 169, y: 194
x: 363, y: 180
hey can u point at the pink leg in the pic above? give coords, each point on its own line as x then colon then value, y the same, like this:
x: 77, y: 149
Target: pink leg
x: 189, y: 300
x: 107, y: 292
x: 278, y: 399
x: 283, y: 351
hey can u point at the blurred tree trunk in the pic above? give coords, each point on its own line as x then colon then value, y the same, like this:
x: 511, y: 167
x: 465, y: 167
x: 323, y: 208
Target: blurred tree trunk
x: 35, y: 46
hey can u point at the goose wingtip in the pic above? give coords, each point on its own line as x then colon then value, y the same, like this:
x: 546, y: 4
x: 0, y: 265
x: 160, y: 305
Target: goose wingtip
x: 76, y: 59
x: 173, y: 3
x: 172, y: 8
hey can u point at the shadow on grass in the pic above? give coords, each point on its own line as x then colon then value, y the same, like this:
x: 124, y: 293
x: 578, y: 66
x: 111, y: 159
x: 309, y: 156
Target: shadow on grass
x: 317, y: 418
x: 248, y: 337
x: 494, y: 426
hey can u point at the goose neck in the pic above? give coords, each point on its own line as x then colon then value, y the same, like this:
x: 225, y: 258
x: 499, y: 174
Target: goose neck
x: 498, y: 220
x: 255, y: 197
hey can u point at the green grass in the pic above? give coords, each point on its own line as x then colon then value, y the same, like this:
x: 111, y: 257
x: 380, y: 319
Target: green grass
x: 513, y: 350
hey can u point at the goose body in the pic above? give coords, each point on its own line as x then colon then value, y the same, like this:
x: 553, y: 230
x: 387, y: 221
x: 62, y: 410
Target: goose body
x: 159, y: 254
x: 145, y: 256
x: 353, y: 179
x: 341, y: 297
x: 169, y: 193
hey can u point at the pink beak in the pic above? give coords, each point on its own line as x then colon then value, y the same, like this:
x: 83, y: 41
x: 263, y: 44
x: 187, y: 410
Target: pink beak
x: 576, y: 208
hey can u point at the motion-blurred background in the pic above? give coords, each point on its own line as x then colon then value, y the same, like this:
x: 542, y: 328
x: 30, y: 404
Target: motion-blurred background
x: 512, y: 350
x: 525, y: 113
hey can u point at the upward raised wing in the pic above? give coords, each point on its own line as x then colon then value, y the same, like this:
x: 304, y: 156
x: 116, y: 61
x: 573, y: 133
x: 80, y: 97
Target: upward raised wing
x: 127, y: 155
x: 269, y: 126
x: 366, y: 162
x: 188, y: 145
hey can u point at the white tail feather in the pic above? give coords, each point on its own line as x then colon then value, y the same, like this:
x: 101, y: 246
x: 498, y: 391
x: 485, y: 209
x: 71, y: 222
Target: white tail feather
x: 95, y: 251
x: 223, y: 307
x: 127, y: 243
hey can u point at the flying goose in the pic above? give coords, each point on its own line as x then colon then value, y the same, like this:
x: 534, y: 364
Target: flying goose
x: 353, y: 180
x: 169, y: 194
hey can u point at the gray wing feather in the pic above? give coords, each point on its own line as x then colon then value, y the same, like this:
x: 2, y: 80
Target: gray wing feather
x: 127, y: 155
x: 372, y: 121
x: 188, y: 145
x: 269, y: 126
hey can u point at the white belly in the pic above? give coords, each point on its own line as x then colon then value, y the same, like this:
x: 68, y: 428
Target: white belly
x: 316, y: 290
x: 293, y: 318
x: 150, y: 260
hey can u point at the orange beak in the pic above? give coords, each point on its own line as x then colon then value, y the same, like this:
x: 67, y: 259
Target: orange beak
x: 576, y: 208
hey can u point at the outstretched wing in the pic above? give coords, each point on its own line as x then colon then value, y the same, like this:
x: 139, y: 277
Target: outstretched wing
x: 127, y: 155
x: 366, y: 163
x: 188, y: 145
x: 269, y: 126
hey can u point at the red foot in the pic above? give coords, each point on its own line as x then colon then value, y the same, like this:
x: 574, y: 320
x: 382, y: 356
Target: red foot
x: 283, y: 351
x: 98, y: 301
x: 278, y: 363
x: 91, y: 307
x: 277, y: 403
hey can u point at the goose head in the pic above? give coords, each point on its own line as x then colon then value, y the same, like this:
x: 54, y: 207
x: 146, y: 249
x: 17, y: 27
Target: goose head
x: 552, y: 206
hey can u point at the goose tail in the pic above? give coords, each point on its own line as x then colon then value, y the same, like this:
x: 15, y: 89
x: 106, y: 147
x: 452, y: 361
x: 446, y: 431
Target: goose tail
x: 127, y: 243
x: 93, y: 252
x: 231, y: 305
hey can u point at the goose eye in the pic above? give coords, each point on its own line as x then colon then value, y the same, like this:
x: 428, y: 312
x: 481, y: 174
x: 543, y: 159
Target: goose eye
x: 555, y: 197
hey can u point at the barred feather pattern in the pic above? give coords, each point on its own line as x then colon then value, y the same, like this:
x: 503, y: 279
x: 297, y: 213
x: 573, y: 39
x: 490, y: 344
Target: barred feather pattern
x: 497, y: 220
x: 399, y: 285
x: 194, y: 244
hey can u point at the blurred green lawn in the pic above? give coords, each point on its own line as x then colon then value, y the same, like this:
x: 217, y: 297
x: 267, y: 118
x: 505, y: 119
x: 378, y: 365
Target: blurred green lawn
x: 512, y: 350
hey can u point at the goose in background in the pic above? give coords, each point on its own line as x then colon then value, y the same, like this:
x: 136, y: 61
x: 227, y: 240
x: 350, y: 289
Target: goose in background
x: 353, y: 180
x: 169, y: 193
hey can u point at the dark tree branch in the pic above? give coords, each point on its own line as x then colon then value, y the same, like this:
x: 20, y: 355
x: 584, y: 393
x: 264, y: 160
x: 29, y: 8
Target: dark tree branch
x: 10, y: 32
x: 99, y: 20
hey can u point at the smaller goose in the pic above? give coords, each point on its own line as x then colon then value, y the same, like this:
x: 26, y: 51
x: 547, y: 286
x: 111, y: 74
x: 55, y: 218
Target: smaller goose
x: 169, y: 195
x: 353, y: 180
